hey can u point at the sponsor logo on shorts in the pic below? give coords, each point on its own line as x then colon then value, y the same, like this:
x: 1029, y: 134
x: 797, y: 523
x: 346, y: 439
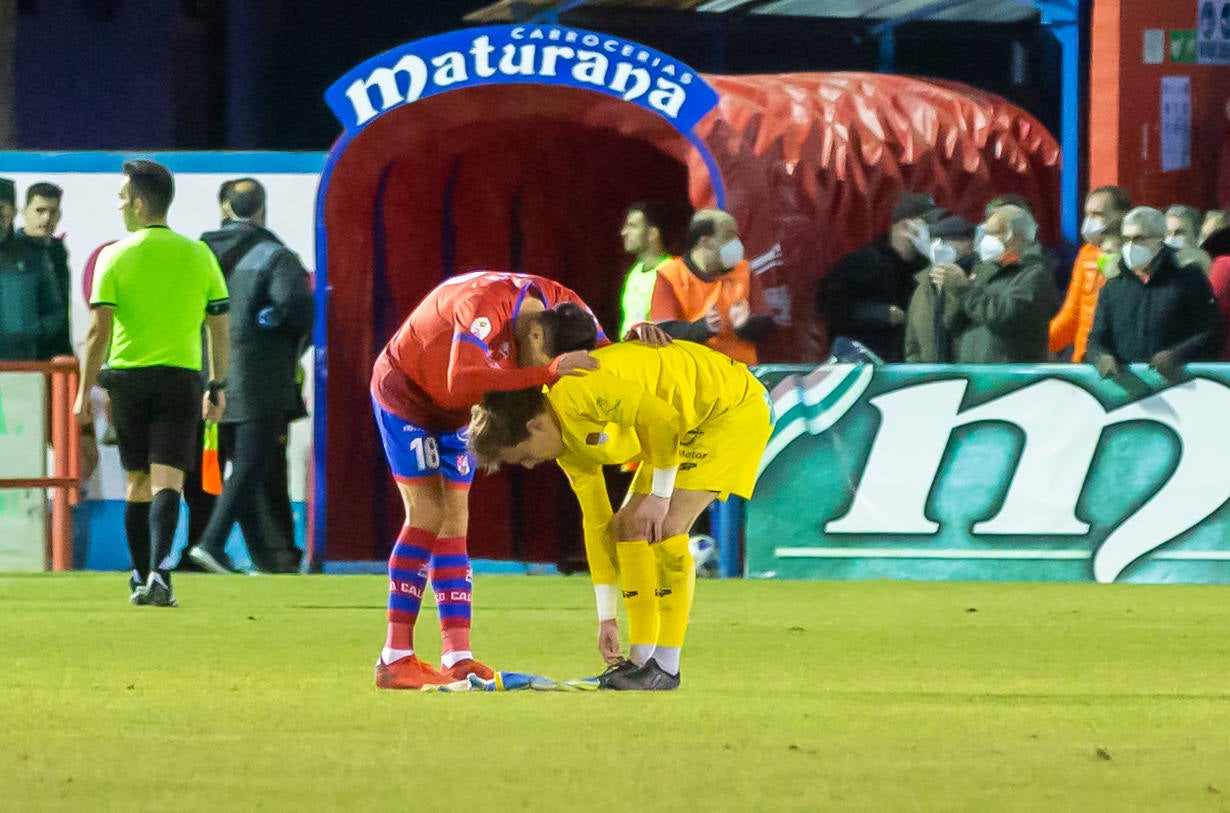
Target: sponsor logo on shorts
x: 463, y: 464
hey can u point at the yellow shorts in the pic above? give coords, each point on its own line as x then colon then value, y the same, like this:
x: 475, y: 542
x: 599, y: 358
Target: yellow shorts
x: 721, y: 454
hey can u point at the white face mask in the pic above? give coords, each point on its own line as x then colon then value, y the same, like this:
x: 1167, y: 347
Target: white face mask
x: 1176, y: 241
x: 1092, y: 229
x: 731, y: 254
x: 942, y: 253
x: 990, y: 248
x: 1136, y: 256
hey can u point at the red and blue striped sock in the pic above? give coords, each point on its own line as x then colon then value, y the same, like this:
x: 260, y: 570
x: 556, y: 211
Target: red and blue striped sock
x: 407, y: 580
x: 451, y: 580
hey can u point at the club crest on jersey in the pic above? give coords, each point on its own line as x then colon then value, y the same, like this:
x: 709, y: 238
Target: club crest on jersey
x: 481, y: 328
x: 463, y: 464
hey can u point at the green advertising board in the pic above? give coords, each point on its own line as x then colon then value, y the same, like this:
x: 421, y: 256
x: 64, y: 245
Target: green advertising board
x: 1003, y: 473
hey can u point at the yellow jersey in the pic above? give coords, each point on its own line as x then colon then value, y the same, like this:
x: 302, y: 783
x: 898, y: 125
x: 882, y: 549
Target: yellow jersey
x: 646, y: 404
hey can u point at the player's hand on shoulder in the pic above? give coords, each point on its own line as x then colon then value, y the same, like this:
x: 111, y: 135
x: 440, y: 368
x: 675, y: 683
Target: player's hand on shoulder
x: 573, y: 362
x: 648, y: 334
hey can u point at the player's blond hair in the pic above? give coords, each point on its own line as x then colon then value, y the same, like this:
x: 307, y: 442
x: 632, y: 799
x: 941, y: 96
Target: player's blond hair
x: 498, y: 422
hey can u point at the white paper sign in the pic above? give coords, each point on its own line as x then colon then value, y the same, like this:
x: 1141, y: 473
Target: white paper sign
x: 1176, y: 123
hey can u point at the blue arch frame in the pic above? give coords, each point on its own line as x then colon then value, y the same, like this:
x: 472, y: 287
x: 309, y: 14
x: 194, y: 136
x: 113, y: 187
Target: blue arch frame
x: 457, y: 60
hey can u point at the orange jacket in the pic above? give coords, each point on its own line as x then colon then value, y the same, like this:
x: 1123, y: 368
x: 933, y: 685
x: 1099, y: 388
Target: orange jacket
x: 1072, y: 324
x: 681, y: 295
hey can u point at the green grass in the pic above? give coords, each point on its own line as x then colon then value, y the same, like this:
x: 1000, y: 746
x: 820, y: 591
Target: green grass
x: 257, y: 694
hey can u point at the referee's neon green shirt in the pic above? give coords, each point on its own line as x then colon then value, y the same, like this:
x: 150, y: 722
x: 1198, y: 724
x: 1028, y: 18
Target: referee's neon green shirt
x: 637, y: 295
x: 159, y: 283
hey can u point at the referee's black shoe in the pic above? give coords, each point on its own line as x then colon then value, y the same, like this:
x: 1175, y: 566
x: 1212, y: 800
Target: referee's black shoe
x: 650, y: 677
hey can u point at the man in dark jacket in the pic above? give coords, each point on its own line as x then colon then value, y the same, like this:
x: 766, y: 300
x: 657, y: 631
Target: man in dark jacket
x: 42, y: 216
x: 865, y: 295
x: 32, y: 313
x: 271, y: 317
x: 1155, y: 310
x: 1001, y: 312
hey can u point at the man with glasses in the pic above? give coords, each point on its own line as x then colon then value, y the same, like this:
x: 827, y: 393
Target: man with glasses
x: 1156, y: 310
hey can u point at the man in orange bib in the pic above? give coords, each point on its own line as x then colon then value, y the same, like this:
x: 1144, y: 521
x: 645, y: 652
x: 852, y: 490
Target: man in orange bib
x: 709, y: 295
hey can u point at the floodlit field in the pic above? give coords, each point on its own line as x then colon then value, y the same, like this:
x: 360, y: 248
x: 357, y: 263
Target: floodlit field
x: 256, y: 694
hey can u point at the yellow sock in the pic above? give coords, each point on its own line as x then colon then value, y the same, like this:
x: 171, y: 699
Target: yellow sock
x: 638, y: 575
x: 676, y: 587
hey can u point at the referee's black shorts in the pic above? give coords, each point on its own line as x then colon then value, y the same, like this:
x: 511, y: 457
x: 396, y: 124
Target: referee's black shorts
x: 155, y: 412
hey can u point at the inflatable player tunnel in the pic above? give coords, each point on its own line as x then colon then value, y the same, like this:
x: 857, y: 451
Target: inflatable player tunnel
x: 519, y: 148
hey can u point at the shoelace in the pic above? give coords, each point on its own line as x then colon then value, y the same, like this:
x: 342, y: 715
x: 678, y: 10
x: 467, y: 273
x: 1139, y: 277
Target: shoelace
x: 615, y: 667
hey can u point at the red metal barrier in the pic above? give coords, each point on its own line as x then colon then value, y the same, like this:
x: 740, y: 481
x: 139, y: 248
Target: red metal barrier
x: 65, y: 481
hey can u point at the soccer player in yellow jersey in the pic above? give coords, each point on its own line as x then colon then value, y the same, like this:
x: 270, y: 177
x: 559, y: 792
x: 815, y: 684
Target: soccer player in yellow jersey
x: 698, y: 421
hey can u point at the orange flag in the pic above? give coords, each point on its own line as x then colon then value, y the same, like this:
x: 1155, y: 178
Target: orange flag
x: 211, y: 472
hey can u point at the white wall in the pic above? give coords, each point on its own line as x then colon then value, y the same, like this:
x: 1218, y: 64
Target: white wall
x: 91, y: 218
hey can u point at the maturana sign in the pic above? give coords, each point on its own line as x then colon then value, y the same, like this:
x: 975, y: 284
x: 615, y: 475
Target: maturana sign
x: 522, y: 54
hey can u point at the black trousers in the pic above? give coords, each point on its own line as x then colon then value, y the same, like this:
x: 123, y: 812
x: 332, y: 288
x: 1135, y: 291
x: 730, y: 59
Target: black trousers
x: 256, y: 495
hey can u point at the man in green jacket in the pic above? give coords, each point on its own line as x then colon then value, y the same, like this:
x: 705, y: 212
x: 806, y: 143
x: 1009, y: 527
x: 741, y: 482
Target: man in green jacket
x: 1000, y: 313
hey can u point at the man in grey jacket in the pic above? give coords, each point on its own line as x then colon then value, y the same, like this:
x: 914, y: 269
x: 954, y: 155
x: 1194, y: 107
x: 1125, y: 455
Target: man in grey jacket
x: 1000, y: 313
x: 271, y: 318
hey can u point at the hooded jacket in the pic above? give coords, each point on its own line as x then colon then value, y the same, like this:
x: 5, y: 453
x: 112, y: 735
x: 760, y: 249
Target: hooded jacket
x: 271, y: 315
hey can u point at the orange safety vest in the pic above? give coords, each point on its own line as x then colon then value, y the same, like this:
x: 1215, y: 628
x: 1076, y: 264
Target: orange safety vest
x: 680, y: 295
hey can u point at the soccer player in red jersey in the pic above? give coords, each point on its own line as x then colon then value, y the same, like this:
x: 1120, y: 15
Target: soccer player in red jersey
x: 461, y: 341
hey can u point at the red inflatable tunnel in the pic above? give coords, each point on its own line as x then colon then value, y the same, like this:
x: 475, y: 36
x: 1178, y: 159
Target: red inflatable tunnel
x: 519, y: 148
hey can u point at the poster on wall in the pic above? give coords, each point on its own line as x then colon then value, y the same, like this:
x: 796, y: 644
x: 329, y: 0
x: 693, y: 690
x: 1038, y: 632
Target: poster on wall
x: 1176, y: 123
x: 1213, y: 32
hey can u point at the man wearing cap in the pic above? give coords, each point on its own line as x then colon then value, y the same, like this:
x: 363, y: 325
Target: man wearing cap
x: 865, y: 295
x: 32, y: 313
x: 927, y: 340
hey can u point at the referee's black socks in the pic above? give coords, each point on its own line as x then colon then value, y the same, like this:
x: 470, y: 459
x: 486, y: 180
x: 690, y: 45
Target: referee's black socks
x: 136, y: 528
x: 163, y: 517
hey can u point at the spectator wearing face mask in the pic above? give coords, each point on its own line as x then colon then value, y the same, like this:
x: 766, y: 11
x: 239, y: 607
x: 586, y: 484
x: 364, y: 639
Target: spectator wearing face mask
x: 927, y: 340
x: 1070, y: 327
x: 999, y: 314
x: 709, y: 295
x: 865, y: 295
x: 1182, y: 228
x: 1155, y: 310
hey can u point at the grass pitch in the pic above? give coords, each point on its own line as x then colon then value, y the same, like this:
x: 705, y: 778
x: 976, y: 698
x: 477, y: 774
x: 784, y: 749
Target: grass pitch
x: 256, y: 694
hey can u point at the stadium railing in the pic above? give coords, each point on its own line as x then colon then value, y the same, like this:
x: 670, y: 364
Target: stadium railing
x: 64, y: 483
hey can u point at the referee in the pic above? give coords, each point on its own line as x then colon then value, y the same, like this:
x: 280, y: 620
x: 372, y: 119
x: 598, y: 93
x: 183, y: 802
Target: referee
x: 152, y: 290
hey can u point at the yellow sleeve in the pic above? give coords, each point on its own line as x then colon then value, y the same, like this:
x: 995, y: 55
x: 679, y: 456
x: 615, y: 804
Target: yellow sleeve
x: 590, y: 487
x: 603, y: 398
x: 659, y: 426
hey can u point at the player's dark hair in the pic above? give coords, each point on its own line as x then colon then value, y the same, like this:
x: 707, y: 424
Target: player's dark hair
x: 499, y: 421
x: 151, y: 182
x: 1119, y: 197
x: 247, y: 197
x: 567, y: 327
x: 654, y: 212
x: 44, y: 189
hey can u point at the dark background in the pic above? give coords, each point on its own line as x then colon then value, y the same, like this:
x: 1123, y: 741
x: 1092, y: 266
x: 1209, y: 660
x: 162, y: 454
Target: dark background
x: 242, y: 74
